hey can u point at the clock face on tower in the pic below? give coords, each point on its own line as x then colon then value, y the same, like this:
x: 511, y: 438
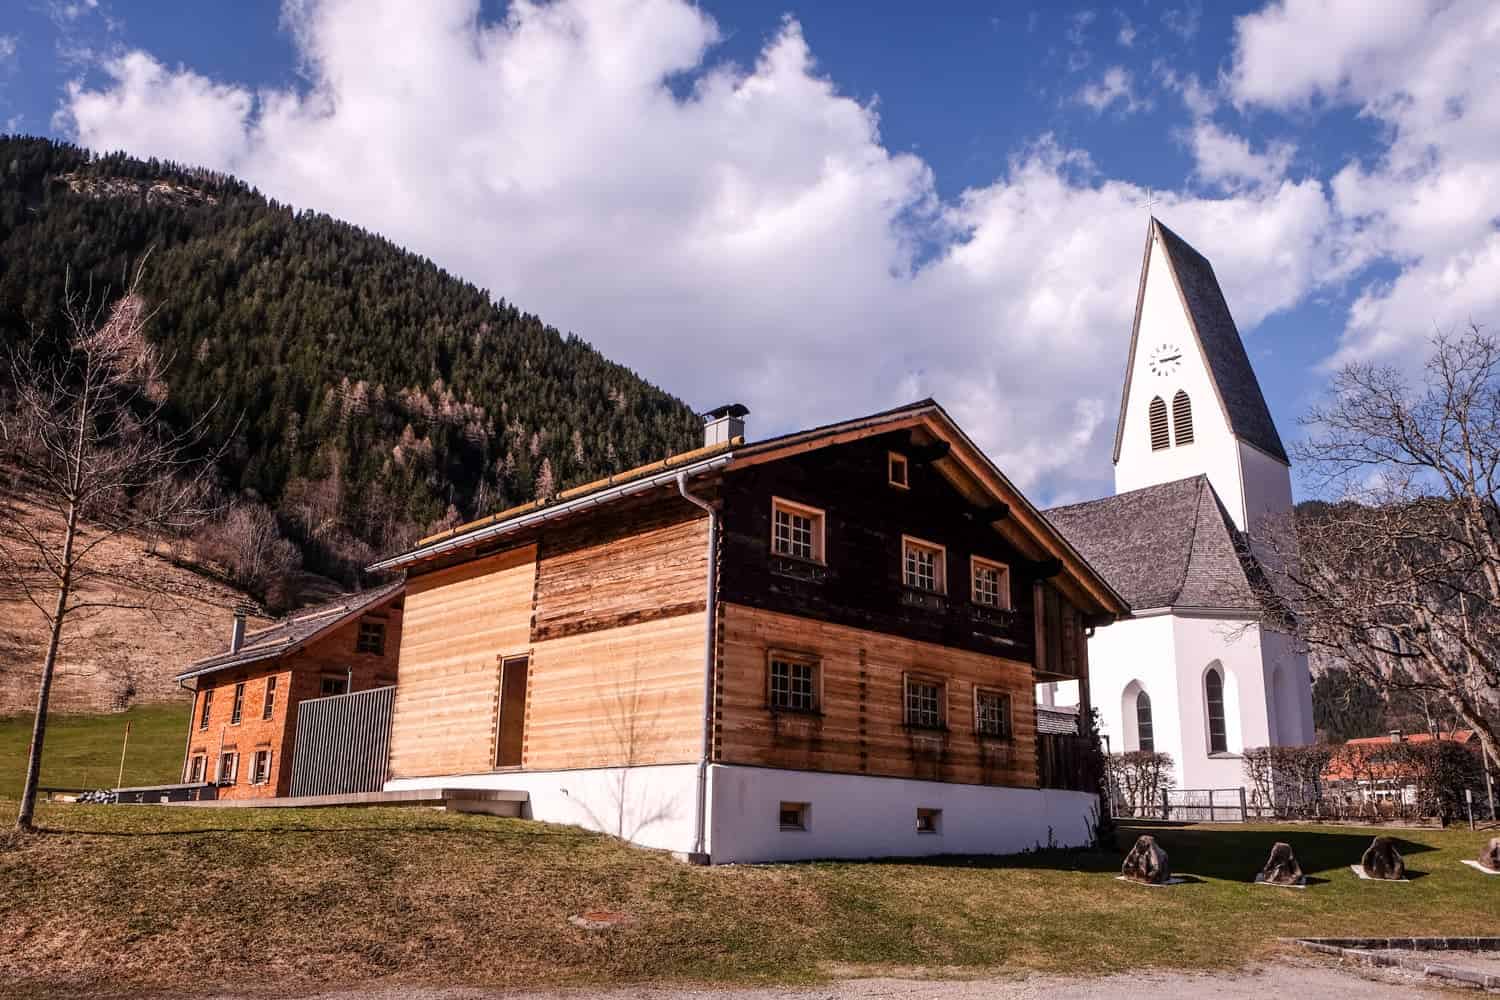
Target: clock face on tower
x: 1165, y: 359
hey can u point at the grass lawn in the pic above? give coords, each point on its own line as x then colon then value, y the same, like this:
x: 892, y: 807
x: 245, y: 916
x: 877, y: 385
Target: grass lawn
x: 84, y: 750
x: 149, y: 897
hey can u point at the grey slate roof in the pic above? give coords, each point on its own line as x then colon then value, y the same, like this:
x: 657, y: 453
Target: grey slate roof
x: 294, y: 631
x: 1170, y: 545
x: 1249, y: 416
x: 1055, y: 721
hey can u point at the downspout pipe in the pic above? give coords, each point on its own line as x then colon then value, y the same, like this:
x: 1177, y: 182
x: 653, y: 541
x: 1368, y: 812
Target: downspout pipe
x: 710, y: 644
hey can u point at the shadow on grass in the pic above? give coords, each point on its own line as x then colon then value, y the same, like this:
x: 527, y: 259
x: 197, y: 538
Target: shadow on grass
x: 1226, y: 853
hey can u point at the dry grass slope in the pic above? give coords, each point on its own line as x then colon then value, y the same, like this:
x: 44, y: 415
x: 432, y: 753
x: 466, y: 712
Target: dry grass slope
x: 126, y: 898
x: 111, y: 657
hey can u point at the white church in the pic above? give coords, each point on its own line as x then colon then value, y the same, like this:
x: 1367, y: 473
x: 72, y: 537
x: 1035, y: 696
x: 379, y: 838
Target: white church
x: 1199, y: 466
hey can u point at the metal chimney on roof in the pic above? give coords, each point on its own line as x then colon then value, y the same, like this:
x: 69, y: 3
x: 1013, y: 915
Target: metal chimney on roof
x: 723, y: 424
x: 237, y: 631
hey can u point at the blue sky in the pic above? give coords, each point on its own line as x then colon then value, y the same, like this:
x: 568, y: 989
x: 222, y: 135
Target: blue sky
x: 848, y: 204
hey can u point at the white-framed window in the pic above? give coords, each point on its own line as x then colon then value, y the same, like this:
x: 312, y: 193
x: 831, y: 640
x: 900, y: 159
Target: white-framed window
x: 795, y: 815
x: 929, y: 820
x: 239, y: 704
x: 923, y: 565
x: 371, y: 638
x: 925, y: 698
x: 208, y: 704
x: 229, y: 767
x: 992, y: 713
x: 196, y: 766
x: 260, y: 767
x: 1213, y: 693
x: 990, y: 581
x: 796, y: 530
x: 792, y: 682
x: 897, y: 470
x: 333, y: 684
x: 1145, y: 731
x: 268, y: 707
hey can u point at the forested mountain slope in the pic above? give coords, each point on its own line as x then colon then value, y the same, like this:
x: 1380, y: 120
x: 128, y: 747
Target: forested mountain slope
x: 370, y: 395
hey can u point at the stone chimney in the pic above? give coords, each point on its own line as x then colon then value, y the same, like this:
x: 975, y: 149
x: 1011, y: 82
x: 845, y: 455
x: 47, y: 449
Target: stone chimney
x: 723, y: 424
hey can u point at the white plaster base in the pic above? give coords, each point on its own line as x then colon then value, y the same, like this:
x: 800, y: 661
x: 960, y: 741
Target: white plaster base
x: 653, y: 806
x: 858, y: 816
x: 850, y: 816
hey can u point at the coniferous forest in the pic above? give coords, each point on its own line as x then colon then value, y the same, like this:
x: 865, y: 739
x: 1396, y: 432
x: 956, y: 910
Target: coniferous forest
x: 366, y: 396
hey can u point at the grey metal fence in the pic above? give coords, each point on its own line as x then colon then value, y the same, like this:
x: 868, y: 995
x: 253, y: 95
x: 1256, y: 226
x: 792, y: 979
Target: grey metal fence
x: 1204, y: 805
x: 343, y: 743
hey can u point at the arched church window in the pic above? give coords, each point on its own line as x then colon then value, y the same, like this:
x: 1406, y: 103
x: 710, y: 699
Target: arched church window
x: 1159, y: 438
x: 1213, y: 690
x: 1144, y: 734
x: 1182, y: 417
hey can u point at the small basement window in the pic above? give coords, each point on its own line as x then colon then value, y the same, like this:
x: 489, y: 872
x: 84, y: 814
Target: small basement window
x: 923, y: 565
x: 897, y: 468
x: 796, y: 531
x: 371, y: 638
x: 260, y: 768
x: 793, y: 683
x: 929, y: 820
x: 239, y: 704
x: 794, y: 815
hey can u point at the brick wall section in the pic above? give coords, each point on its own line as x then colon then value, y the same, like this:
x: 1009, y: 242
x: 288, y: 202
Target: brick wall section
x: 299, y: 676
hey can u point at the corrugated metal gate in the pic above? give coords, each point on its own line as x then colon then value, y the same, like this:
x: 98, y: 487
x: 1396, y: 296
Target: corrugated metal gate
x: 343, y: 743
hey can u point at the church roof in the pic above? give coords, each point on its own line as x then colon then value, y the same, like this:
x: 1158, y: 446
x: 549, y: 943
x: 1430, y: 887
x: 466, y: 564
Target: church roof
x: 1208, y: 312
x: 1169, y: 545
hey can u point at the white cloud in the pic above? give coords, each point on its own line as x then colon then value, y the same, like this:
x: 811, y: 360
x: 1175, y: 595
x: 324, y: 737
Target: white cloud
x: 7, y: 48
x: 1427, y: 74
x: 1183, y: 21
x: 1127, y: 32
x: 1199, y: 100
x: 1116, y: 86
x: 1227, y: 160
x: 753, y: 239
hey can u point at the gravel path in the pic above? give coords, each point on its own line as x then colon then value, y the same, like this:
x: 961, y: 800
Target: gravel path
x: 1303, y: 979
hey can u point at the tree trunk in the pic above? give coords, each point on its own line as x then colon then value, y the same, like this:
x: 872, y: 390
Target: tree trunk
x: 49, y: 666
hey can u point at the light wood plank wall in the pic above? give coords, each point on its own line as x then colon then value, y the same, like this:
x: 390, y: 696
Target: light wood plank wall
x: 627, y: 695
x: 861, y: 730
x: 458, y: 623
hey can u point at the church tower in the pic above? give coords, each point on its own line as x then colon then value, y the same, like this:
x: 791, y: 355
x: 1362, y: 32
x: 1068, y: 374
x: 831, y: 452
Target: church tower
x: 1191, y: 403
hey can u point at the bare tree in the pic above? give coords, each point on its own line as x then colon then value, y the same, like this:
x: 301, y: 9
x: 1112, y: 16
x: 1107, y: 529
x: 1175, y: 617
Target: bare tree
x: 1399, y: 576
x: 85, y: 436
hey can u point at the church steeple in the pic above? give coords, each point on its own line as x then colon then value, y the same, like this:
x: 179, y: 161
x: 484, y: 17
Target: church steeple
x: 1191, y: 402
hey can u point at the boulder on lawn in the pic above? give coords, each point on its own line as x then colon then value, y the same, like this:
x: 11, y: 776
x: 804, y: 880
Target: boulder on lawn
x: 1382, y: 860
x: 1281, y: 867
x: 1490, y: 856
x: 1146, y: 862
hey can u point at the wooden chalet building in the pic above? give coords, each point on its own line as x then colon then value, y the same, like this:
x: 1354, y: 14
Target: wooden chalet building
x: 242, y: 733
x: 823, y: 644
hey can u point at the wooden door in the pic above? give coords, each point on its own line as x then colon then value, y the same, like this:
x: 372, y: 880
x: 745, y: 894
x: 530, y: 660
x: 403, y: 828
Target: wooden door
x: 512, y: 711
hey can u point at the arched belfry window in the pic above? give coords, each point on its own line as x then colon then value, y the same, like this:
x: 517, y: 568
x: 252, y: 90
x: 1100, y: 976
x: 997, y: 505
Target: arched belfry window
x: 1213, y: 691
x: 1159, y: 437
x: 1145, y: 737
x: 1182, y: 417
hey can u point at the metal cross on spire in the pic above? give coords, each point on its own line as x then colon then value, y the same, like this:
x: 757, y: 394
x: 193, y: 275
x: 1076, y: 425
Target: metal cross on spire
x: 1151, y: 202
